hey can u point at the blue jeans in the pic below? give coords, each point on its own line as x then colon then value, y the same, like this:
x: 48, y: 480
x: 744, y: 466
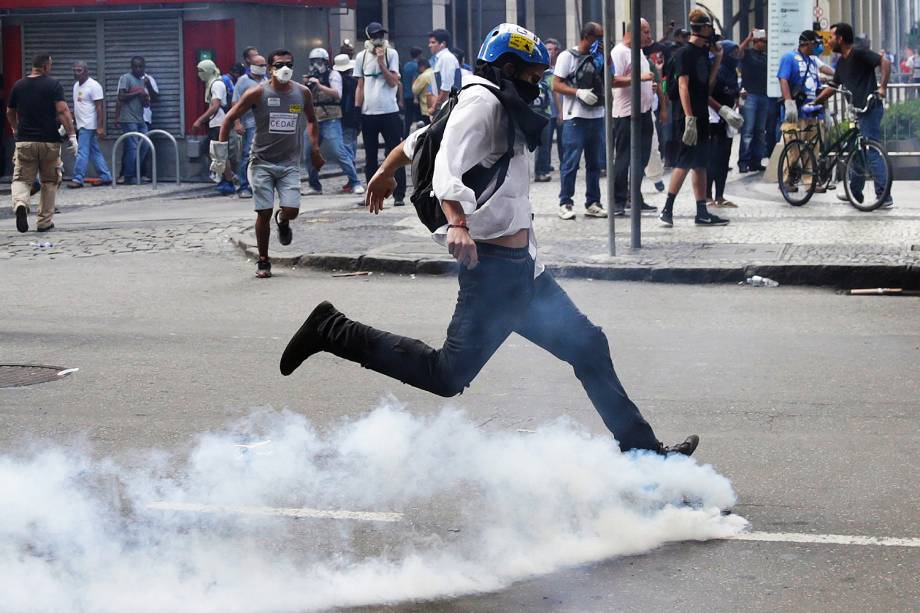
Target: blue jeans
x: 581, y: 135
x: 753, y: 135
x: 331, y: 140
x: 870, y: 126
x: 88, y: 147
x: 129, y: 158
x: 245, y: 149
x: 350, y: 137
x: 543, y: 159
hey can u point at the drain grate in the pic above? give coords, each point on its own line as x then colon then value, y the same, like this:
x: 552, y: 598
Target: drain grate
x: 17, y: 375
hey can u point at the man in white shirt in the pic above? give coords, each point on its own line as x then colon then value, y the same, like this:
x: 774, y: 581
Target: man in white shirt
x: 583, y: 120
x: 216, y: 97
x: 504, y: 287
x: 621, y: 58
x: 445, y: 65
x: 377, y: 71
x: 89, y: 116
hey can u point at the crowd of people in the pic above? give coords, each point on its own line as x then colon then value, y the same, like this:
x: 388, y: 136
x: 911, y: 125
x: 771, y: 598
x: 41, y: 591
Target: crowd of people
x: 697, y: 93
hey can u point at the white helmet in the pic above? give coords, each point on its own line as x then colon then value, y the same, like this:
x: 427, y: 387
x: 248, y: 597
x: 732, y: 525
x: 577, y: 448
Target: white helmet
x: 319, y: 54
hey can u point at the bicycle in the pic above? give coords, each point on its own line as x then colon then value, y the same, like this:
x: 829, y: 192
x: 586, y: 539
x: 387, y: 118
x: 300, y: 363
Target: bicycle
x: 801, y: 173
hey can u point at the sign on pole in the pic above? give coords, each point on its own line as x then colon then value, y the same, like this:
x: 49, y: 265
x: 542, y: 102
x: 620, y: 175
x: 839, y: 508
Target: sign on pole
x: 786, y: 19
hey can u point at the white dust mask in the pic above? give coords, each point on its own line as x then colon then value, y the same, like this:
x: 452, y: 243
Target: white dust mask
x: 284, y: 73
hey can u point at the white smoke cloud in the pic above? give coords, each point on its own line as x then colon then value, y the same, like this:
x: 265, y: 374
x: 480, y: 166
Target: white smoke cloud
x: 482, y: 509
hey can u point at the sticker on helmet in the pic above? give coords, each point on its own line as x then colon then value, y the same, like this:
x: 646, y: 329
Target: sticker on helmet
x: 521, y: 43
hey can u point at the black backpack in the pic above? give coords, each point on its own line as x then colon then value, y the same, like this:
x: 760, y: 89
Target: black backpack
x: 587, y: 75
x: 478, y: 178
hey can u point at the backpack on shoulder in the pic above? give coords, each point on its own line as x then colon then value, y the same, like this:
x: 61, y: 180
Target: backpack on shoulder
x: 587, y: 75
x: 479, y: 178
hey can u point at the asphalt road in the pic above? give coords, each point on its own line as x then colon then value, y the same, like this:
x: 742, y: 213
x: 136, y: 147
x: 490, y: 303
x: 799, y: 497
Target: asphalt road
x: 806, y: 400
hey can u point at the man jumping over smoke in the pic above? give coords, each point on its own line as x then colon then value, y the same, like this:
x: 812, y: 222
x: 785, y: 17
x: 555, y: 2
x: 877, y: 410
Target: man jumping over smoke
x: 504, y: 287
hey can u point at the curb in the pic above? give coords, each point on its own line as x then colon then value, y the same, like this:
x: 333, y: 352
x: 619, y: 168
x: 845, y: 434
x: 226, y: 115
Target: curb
x: 841, y: 276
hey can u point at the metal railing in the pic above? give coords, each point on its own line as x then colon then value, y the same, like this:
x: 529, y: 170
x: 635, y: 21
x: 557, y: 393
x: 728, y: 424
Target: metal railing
x: 175, y: 150
x: 901, y: 126
x: 138, y: 156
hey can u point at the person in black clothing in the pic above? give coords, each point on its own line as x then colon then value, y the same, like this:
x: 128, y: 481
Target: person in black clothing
x: 696, y: 76
x: 856, y: 71
x: 724, y: 94
x: 36, y: 111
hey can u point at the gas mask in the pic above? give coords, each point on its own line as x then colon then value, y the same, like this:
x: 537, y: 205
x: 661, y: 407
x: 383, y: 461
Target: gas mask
x: 371, y: 44
x: 318, y: 67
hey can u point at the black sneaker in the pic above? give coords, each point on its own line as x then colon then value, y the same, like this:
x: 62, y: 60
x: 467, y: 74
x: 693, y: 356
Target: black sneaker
x: 647, y: 208
x: 619, y: 211
x: 307, y: 340
x: 710, y: 220
x: 665, y: 218
x: 264, y: 269
x: 743, y: 168
x: 399, y: 202
x: 284, y: 229
x: 686, y: 448
x: 22, y: 218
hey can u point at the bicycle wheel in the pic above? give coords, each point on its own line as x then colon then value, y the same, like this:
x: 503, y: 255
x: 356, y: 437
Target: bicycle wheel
x: 868, y: 163
x: 798, y: 172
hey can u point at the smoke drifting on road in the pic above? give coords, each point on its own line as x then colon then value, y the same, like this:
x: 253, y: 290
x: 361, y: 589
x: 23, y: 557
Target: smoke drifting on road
x: 481, y: 510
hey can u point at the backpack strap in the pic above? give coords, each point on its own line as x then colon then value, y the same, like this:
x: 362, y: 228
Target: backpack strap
x: 478, y: 178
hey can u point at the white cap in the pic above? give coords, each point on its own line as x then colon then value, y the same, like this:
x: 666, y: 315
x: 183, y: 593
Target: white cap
x: 319, y: 53
x: 343, y: 63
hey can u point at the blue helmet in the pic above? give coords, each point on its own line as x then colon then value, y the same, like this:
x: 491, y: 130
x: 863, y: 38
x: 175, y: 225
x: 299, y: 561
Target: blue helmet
x: 511, y: 38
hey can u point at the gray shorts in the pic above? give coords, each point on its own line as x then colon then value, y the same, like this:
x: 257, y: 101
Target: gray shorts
x: 265, y: 179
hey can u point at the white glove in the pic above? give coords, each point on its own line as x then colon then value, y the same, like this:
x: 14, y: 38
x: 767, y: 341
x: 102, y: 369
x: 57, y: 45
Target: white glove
x: 792, y: 112
x: 586, y: 96
x: 220, y: 152
x: 731, y: 117
x: 690, y: 133
x: 73, y: 143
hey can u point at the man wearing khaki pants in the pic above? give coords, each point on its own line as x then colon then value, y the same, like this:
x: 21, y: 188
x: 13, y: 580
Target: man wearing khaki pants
x: 36, y: 111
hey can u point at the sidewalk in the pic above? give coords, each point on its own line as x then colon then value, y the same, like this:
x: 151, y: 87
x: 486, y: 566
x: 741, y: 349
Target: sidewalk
x: 825, y: 242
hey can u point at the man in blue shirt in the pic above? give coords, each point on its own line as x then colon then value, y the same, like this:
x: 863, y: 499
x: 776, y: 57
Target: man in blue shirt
x: 798, y: 75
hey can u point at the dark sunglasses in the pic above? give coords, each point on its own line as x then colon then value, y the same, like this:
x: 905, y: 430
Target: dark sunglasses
x: 283, y: 64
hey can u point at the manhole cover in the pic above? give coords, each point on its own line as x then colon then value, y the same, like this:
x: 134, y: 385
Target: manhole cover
x: 17, y: 375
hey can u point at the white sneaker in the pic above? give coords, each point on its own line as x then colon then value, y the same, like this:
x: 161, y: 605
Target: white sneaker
x: 312, y: 192
x: 358, y: 189
x: 566, y: 211
x: 595, y: 210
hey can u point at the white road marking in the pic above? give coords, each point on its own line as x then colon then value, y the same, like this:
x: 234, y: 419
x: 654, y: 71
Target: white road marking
x: 770, y: 537
x: 191, y: 507
x: 827, y: 539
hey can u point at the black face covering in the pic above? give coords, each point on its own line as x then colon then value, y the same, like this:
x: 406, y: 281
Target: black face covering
x: 517, y: 96
x: 526, y: 90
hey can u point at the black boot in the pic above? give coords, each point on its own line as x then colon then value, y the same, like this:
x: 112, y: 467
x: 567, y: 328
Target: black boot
x: 308, y: 339
x: 686, y: 448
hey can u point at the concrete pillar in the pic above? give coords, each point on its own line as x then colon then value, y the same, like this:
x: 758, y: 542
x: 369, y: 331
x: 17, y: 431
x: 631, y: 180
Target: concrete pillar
x: 348, y: 28
x: 572, y: 27
x: 530, y: 18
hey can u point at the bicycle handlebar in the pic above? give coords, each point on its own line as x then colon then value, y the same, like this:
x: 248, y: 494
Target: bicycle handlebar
x: 848, y: 95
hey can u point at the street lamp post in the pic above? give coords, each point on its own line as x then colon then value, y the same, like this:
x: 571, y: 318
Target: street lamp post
x: 608, y: 122
x: 635, y: 129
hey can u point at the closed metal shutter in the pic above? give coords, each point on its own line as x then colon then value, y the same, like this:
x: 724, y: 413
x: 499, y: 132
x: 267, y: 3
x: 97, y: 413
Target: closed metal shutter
x: 67, y: 41
x: 159, y: 40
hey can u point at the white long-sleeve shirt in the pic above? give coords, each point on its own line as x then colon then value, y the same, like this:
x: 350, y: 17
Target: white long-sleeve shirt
x: 477, y: 133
